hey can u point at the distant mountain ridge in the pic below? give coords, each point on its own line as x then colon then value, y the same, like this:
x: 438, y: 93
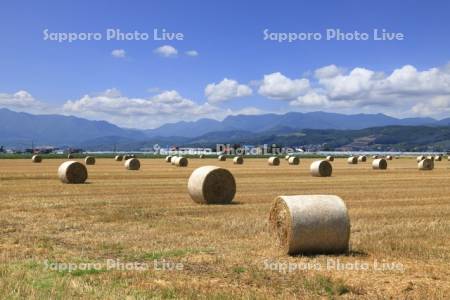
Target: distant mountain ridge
x: 19, y: 129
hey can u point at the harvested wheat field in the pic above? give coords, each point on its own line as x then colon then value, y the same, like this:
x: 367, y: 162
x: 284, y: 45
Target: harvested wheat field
x: 164, y: 245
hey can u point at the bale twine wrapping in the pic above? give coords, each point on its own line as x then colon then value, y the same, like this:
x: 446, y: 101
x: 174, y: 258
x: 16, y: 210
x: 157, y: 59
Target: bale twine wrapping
x: 426, y: 164
x: 311, y: 224
x: 168, y: 159
x: 132, y: 164
x: 379, y: 164
x: 294, y: 160
x: 352, y: 160
x: 72, y: 172
x: 389, y: 157
x: 36, y: 158
x: 238, y: 160
x: 273, y: 161
x: 222, y: 158
x: 362, y: 158
x: 212, y: 185
x: 330, y: 158
x: 321, y: 168
x: 118, y: 158
x: 180, y: 161
x: 89, y: 160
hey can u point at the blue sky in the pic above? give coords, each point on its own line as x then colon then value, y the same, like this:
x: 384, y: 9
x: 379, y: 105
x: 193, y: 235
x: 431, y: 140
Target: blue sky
x: 143, y: 87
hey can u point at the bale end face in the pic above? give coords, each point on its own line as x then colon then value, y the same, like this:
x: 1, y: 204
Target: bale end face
x: 212, y: 185
x: 238, y: 160
x: 72, y: 172
x: 36, y: 159
x: 132, y: 164
x: 89, y: 160
x: 362, y: 158
x: 168, y: 159
x: 321, y: 168
x: 310, y: 224
x: 426, y: 164
x: 180, y: 161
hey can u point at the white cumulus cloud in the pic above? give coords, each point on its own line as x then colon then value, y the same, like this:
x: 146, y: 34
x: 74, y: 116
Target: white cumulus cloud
x: 225, y: 90
x: 166, y: 51
x: 277, y: 86
x: 21, y: 101
x: 192, y: 53
x: 118, y: 53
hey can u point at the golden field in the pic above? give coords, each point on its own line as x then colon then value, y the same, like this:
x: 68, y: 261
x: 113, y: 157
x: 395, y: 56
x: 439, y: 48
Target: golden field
x: 400, y: 234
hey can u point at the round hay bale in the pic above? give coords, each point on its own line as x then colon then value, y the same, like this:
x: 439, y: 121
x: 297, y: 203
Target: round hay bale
x: 132, y: 164
x: 420, y: 158
x: 379, y: 164
x: 238, y: 160
x: 89, y: 160
x: 389, y: 157
x: 321, y: 168
x: 426, y: 164
x: 294, y: 160
x: 168, y: 159
x: 273, y: 161
x: 118, y: 158
x: 286, y: 157
x: 311, y: 224
x: 352, y: 160
x: 375, y: 157
x: 212, y: 185
x: 222, y: 158
x: 201, y: 156
x: 36, y: 158
x: 430, y: 157
x: 127, y: 156
x: 181, y: 161
x: 330, y: 158
x: 72, y: 172
x: 70, y: 156
x: 438, y: 158
x: 172, y: 161
x: 362, y: 158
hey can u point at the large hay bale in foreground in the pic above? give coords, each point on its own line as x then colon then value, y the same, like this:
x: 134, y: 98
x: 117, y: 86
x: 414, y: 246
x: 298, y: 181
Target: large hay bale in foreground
x: 72, y: 172
x: 168, y: 159
x: 311, y: 224
x: 330, y: 158
x: 352, y: 160
x: 379, y: 164
x: 238, y: 160
x: 362, y: 158
x: 420, y: 158
x: 89, y: 160
x: 273, y: 161
x: 212, y: 185
x: 132, y: 164
x: 36, y: 158
x: 222, y: 158
x: 118, y: 158
x: 180, y: 161
x: 321, y: 168
x: 294, y: 160
x: 426, y: 164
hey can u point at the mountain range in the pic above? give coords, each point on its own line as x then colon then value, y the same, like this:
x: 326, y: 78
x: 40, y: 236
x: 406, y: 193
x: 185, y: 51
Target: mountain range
x: 19, y: 130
